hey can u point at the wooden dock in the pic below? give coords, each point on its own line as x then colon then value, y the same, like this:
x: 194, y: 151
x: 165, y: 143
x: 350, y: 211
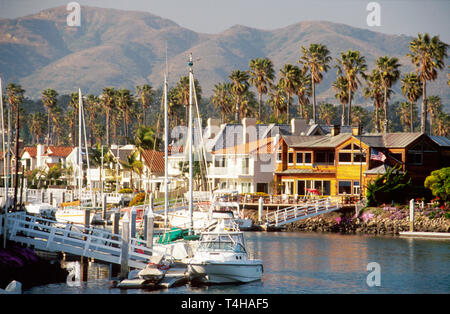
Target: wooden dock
x: 432, y: 235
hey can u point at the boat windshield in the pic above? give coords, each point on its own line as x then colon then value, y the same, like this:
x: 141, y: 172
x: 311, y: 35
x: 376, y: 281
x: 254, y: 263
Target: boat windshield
x: 222, y: 242
x: 221, y: 246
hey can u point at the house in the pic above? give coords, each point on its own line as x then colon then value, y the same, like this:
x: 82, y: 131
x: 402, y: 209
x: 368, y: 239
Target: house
x: 153, y: 170
x: 338, y: 164
x: 41, y: 156
x: 247, y: 167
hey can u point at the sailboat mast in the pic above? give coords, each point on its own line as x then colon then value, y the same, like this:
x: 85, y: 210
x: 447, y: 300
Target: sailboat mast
x: 191, y: 138
x: 80, y: 159
x: 3, y: 145
x: 166, y: 153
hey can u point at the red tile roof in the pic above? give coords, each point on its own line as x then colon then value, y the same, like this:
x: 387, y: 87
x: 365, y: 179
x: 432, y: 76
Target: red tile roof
x: 154, y: 160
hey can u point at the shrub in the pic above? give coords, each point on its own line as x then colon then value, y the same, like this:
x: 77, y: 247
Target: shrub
x: 439, y: 184
x: 138, y: 199
x: 126, y: 191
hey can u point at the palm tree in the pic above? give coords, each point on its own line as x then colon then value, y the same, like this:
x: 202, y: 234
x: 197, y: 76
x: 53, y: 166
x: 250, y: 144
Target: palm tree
x: 92, y: 107
x: 277, y: 100
x: 443, y: 124
x: 427, y: 55
x: 389, y: 74
x: 261, y: 76
x: 341, y: 88
x: 239, y: 80
x: 49, y: 100
x: 303, y: 91
x: 222, y: 99
x: 132, y: 164
x: 412, y: 90
x: 316, y: 59
x: 360, y: 116
x: 145, y: 138
x: 434, y: 108
x: 108, y: 102
x: 374, y: 90
x: 73, y: 104
x: 37, y: 126
x: 144, y: 94
x: 125, y: 104
x: 327, y: 113
x: 15, y: 95
x: 404, y: 111
x: 351, y: 65
x: 182, y: 91
x: 288, y: 81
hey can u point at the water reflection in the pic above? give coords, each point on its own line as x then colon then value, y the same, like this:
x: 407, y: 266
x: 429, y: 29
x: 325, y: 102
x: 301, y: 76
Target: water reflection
x: 313, y: 263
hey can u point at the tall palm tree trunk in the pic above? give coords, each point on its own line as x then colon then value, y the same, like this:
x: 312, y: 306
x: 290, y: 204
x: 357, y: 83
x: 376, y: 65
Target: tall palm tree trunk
x: 423, y: 120
x: 287, y: 107
x: 236, y: 115
x: 107, y: 128
x: 385, y: 111
x: 411, y: 113
x: 314, y: 100
x: 260, y: 105
x: 349, y: 112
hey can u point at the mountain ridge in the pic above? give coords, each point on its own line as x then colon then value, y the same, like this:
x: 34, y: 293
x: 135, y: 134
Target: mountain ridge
x: 127, y: 48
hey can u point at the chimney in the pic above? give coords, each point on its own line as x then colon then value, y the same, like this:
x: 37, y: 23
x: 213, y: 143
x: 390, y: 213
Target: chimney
x: 213, y: 128
x: 39, y: 153
x: 248, y: 130
x: 296, y: 125
x: 335, y: 130
x: 356, y: 130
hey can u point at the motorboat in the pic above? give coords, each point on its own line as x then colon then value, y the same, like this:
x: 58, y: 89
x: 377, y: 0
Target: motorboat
x: 222, y: 257
x: 41, y: 209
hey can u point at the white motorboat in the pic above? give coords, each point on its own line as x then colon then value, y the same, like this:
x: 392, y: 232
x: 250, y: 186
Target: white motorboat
x: 41, y: 209
x: 223, y: 205
x: 221, y: 257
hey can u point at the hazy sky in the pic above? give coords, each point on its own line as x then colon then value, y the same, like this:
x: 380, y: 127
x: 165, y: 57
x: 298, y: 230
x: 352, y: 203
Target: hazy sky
x: 213, y: 16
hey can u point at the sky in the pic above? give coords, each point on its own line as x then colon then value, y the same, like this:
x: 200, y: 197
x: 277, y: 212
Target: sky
x: 214, y: 16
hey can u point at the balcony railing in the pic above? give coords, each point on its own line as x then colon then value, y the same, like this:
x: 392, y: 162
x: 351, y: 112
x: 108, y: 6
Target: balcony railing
x: 229, y: 171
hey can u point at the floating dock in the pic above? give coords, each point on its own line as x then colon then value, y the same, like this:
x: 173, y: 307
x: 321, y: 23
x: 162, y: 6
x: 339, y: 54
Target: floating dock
x: 431, y: 235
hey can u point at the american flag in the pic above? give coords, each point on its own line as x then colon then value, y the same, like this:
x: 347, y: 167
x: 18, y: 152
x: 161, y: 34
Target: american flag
x: 376, y: 155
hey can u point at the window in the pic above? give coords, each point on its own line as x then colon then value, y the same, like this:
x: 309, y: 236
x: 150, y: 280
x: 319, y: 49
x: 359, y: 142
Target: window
x: 414, y: 158
x: 279, y: 157
x: 245, y: 165
x: 324, y: 157
x: 345, y: 157
x: 323, y: 186
x: 301, y: 187
x: 358, y: 157
x: 299, y: 158
x: 397, y: 156
x: 307, y: 159
x: 291, y: 158
x: 246, y: 187
x: 356, y: 187
x: 219, y: 162
x: 345, y: 187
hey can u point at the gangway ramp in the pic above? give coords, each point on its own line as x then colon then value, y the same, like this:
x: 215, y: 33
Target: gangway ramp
x: 308, y: 209
x: 100, y: 244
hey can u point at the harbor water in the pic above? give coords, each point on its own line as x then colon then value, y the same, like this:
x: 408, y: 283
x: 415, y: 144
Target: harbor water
x: 306, y: 263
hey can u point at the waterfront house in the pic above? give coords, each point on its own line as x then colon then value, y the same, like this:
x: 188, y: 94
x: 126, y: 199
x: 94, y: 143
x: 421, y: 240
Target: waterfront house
x: 338, y: 164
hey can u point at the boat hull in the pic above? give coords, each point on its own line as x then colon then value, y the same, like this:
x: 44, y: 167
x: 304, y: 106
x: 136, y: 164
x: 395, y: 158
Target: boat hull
x: 217, y: 273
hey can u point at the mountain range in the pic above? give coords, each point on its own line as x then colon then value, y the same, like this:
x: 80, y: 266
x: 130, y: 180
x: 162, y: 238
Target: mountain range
x: 123, y: 49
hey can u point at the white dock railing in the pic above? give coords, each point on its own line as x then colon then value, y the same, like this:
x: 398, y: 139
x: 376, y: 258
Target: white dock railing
x: 89, y: 242
x: 310, y: 209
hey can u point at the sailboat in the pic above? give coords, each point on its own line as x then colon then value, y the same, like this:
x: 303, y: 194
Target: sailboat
x: 74, y: 212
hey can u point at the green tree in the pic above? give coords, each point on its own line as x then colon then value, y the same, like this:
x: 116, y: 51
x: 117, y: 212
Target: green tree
x: 389, y: 74
x: 387, y: 187
x: 315, y: 59
x: 222, y: 100
x: 341, y: 89
x: 327, y: 113
x: 303, y: 91
x: 15, y: 95
x: 428, y: 55
x: 434, y: 108
x: 49, y: 99
x: 288, y: 81
x: 144, y: 95
x: 239, y: 80
x: 261, y: 76
x: 277, y: 100
x: 108, y: 102
x: 351, y: 65
x: 132, y: 164
x: 412, y: 90
x: 439, y: 183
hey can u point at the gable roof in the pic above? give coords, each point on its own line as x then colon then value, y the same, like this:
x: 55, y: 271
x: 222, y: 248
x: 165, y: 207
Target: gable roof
x: 154, y: 160
x: 57, y: 151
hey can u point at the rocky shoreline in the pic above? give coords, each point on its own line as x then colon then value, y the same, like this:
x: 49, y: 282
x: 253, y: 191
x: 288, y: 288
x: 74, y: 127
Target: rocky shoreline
x: 381, y: 221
